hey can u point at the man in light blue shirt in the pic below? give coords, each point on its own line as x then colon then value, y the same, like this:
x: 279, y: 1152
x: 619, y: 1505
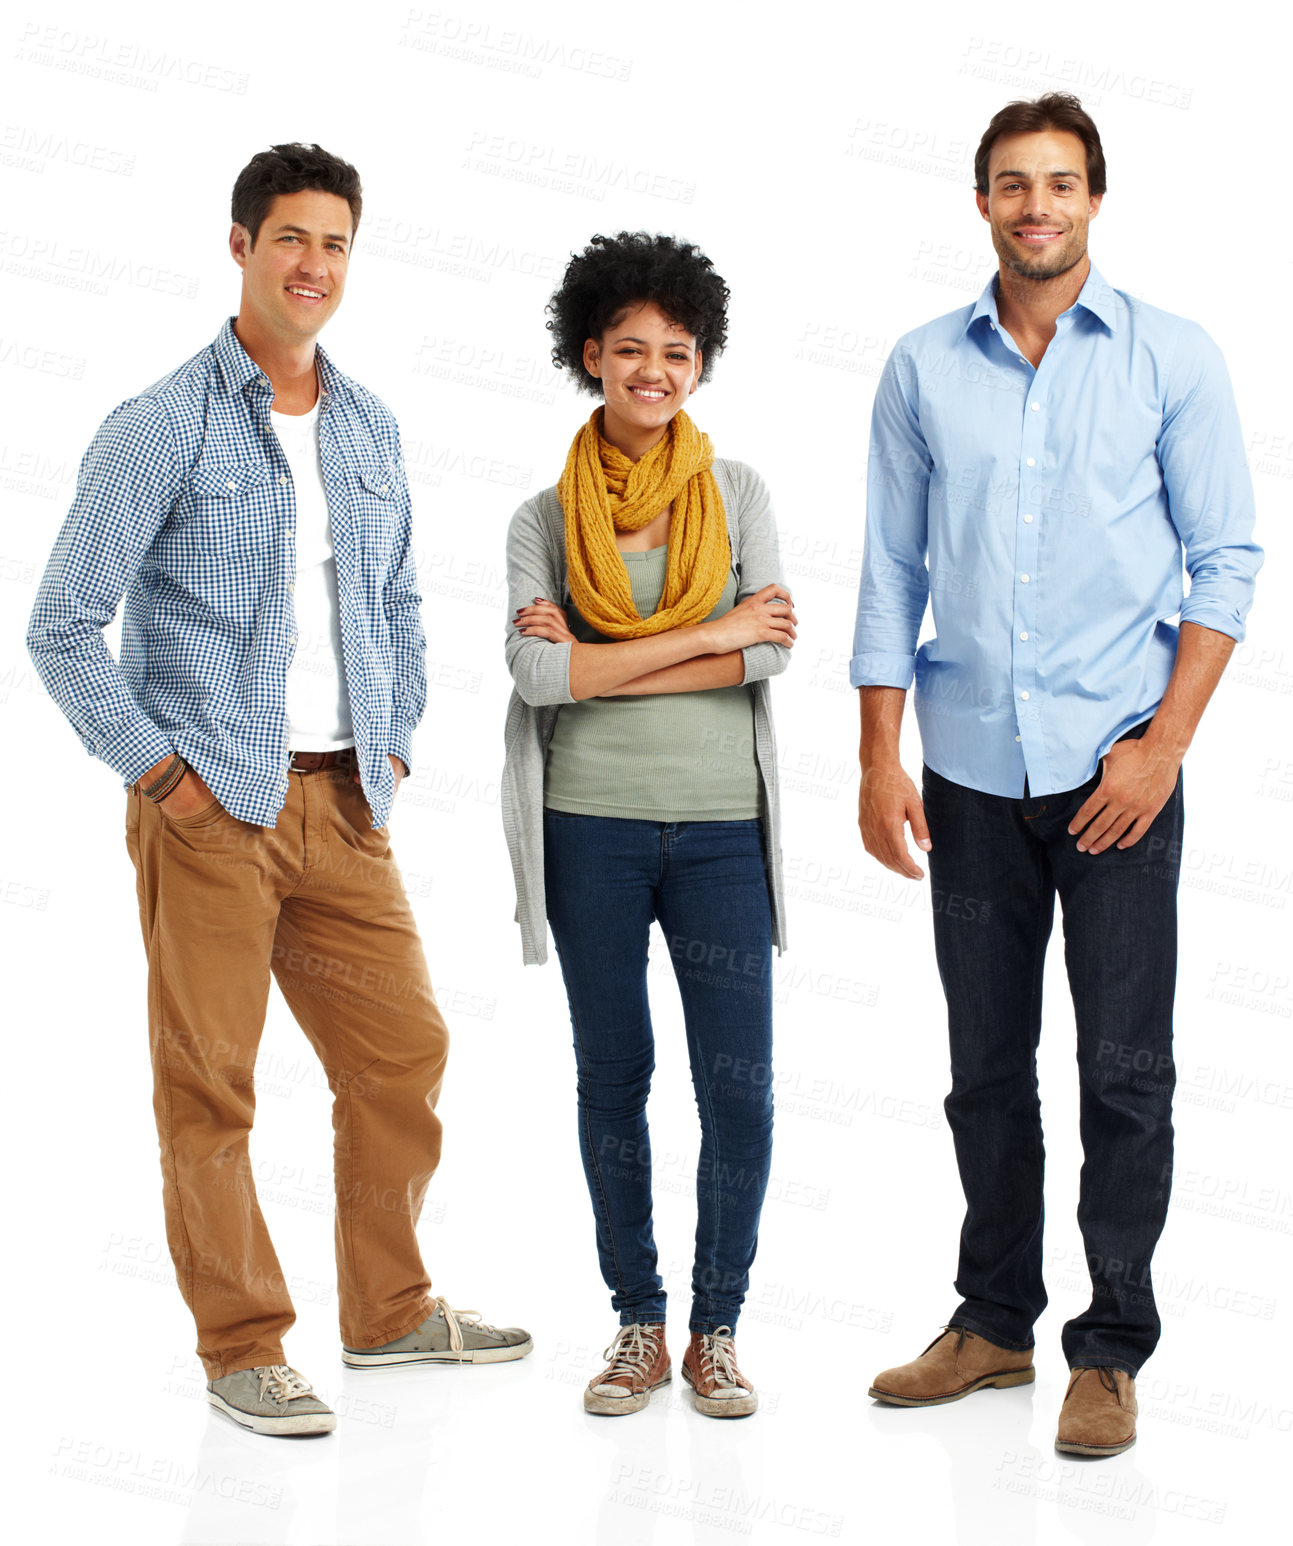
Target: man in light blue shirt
x: 252, y: 508
x: 1040, y: 462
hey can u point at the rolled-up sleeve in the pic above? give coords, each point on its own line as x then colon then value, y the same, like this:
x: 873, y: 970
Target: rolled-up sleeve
x: 1209, y: 489
x: 540, y: 668
x: 894, y: 587
x: 127, y: 483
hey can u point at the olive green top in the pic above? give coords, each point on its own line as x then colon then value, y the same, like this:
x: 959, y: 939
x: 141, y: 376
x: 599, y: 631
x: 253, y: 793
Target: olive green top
x: 670, y: 756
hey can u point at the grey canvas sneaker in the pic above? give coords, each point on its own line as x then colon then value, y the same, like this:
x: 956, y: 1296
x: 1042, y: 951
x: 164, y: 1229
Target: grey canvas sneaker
x: 271, y: 1399
x: 448, y: 1336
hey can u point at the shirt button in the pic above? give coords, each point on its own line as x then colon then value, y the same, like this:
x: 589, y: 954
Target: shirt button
x: 1024, y: 579
x: 1022, y: 360
x: 1028, y: 520
x: 1024, y: 694
x: 993, y: 326
x: 231, y: 484
x: 1016, y: 738
x: 386, y: 488
x: 1030, y: 462
x: 282, y: 477
x: 1036, y: 407
x: 291, y: 585
x: 1024, y: 636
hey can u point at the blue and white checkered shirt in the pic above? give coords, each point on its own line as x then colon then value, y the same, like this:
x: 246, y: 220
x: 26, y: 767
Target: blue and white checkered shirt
x: 184, y: 504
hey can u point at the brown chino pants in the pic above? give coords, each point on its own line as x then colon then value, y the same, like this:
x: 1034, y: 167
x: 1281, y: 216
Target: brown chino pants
x: 318, y: 901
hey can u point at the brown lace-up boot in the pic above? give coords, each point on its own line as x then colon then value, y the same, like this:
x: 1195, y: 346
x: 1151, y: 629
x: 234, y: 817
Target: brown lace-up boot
x: 1099, y: 1413
x: 956, y: 1363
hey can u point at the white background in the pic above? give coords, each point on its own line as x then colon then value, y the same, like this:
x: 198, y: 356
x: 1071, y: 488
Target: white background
x: 822, y: 156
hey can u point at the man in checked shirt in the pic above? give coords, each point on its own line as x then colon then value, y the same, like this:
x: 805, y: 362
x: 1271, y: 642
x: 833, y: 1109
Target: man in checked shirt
x: 253, y: 509
x: 1039, y: 463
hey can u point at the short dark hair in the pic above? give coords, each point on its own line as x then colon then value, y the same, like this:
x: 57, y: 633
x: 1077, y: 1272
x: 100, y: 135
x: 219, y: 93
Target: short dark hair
x: 1056, y: 110
x: 292, y: 169
x: 614, y: 273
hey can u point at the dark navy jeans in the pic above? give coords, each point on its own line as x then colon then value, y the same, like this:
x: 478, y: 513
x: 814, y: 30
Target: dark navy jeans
x: 996, y: 867
x: 704, y: 881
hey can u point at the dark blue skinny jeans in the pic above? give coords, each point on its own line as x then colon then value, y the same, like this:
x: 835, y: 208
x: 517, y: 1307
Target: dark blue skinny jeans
x: 705, y: 883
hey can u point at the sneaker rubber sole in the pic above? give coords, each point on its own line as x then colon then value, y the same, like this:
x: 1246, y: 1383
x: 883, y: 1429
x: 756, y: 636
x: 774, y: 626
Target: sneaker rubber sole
x: 287, y: 1427
x: 731, y: 1406
x: 997, y: 1381
x: 621, y: 1406
x: 356, y: 1358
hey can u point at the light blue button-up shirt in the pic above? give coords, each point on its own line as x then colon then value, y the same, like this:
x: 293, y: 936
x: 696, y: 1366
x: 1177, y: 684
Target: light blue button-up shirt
x: 1043, y: 515
x: 184, y: 505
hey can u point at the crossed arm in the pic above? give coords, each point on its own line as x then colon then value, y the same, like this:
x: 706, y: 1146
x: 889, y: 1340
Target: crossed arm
x: 690, y: 659
x: 549, y: 665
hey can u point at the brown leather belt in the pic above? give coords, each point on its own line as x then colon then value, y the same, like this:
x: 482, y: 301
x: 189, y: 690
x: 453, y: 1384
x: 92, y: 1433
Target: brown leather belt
x: 315, y: 762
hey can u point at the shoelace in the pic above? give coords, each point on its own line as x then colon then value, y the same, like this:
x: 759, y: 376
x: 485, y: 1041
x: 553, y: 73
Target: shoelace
x: 718, y: 1350
x: 282, y: 1383
x: 1106, y: 1378
x: 961, y: 1335
x: 457, y: 1319
x: 631, y: 1354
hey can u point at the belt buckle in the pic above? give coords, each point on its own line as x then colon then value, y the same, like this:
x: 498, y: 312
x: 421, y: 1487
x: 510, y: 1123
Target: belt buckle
x: 291, y: 763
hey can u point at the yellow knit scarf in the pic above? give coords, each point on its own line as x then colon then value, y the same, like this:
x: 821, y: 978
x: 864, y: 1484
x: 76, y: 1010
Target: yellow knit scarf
x: 603, y: 492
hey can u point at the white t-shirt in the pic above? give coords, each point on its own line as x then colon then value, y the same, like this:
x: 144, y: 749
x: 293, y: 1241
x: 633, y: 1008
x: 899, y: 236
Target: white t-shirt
x: 318, y: 708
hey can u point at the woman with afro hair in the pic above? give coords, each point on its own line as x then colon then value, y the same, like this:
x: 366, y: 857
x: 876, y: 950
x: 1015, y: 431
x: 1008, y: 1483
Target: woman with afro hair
x: 640, y: 784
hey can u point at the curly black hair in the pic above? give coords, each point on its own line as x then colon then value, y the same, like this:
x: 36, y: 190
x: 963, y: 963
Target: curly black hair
x: 615, y: 272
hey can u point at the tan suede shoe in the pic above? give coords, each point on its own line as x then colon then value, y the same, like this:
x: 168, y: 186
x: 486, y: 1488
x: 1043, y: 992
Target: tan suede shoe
x: 954, y: 1364
x: 1099, y: 1413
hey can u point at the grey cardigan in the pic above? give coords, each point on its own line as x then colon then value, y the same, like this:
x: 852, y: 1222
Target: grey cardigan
x: 536, y: 566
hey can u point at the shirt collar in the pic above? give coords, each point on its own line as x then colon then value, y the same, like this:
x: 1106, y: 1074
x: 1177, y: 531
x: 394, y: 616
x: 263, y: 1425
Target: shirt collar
x: 985, y: 306
x: 1101, y: 299
x: 1097, y: 296
x: 240, y: 370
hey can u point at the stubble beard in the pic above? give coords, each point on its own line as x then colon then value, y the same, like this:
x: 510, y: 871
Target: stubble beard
x: 1072, y: 249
